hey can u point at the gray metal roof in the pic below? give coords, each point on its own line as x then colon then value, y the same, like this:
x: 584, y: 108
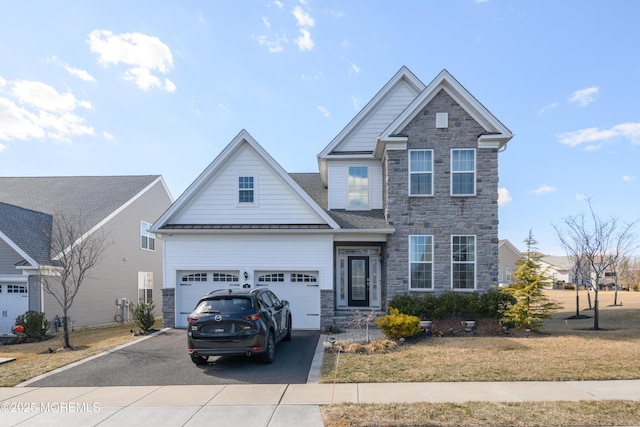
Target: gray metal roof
x: 357, y: 220
x: 91, y: 198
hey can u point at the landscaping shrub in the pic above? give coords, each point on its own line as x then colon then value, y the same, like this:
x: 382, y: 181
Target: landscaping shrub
x: 398, y: 325
x: 431, y: 307
x: 34, y: 322
x: 142, y: 314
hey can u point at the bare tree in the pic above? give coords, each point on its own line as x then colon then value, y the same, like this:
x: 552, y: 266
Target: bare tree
x: 573, y: 248
x: 601, y: 243
x: 629, y: 273
x: 74, y: 252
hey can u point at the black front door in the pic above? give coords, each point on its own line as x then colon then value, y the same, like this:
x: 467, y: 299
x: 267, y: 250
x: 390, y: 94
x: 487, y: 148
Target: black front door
x: 358, y: 281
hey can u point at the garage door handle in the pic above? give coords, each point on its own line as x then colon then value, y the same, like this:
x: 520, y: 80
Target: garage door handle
x: 313, y: 314
x: 315, y: 286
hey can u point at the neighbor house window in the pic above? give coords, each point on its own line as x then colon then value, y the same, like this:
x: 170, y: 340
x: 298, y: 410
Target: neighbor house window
x: 463, y: 262
x: 421, y: 262
x: 463, y: 172
x: 145, y: 287
x: 245, y: 189
x: 421, y: 172
x: 147, y: 239
x: 358, y: 186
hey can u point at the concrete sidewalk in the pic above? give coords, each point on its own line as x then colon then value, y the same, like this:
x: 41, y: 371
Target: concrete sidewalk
x: 272, y: 405
x: 265, y: 404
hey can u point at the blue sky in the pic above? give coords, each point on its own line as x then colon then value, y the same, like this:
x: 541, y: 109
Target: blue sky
x: 121, y: 88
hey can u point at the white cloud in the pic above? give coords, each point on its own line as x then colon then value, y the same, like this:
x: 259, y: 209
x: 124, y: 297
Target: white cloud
x: 548, y: 107
x: 37, y: 110
x: 274, y: 46
x: 544, y: 189
x: 355, y: 68
x: 581, y: 196
x: 143, y: 53
x: 278, y: 4
x: 304, y: 42
x: 503, y: 196
x: 584, y: 97
x: 266, y: 22
x: 304, y: 21
x: 355, y: 101
x: 303, y: 18
x: 81, y: 74
x: 109, y: 137
x: 630, y: 131
x: 629, y: 178
x: 323, y: 110
x: 42, y: 96
x: 3, y: 148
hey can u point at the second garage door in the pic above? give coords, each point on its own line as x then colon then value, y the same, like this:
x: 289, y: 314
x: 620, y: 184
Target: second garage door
x: 302, y: 291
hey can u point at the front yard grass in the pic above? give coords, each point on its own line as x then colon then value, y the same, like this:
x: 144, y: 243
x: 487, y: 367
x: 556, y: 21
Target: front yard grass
x: 566, y: 349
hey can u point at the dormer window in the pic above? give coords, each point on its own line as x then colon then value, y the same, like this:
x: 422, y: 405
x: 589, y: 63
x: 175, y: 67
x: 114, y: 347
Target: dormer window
x: 245, y: 189
x: 358, y: 187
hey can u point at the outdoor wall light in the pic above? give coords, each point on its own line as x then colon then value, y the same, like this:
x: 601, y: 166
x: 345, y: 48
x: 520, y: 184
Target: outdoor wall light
x: 246, y: 275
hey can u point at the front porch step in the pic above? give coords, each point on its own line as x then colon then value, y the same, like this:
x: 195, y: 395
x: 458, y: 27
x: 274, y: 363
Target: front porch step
x: 353, y: 318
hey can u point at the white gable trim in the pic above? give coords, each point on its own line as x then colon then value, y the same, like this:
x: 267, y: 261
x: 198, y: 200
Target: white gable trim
x: 242, y: 138
x: 18, y: 249
x: 498, y: 133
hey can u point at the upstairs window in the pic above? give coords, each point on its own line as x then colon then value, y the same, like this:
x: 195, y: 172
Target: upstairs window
x: 245, y: 189
x: 358, y: 187
x: 147, y: 239
x: 463, y: 262
x: 421, y: 172
x: 463, y: 172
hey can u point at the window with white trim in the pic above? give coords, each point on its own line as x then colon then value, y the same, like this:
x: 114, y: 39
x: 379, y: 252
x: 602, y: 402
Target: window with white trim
x: 421, y: 262
x: 463, y: 262
x: 420, y: 172
x: 271, y: 277
x: 145, y: 287
x: 224, y: 277
x: 245, y: 189
x: 463, y: 172
x: 358, y: 187
x: 16, y: 289
x: 147, y: 239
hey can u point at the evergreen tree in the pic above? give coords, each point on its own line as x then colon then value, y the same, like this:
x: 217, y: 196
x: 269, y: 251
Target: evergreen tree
x: 532, y: 305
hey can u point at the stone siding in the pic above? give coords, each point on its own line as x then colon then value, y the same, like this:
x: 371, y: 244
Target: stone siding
x: 441, y: 215
x: 168, y: 307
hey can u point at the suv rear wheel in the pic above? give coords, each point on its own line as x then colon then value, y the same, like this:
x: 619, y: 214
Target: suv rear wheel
x: 288, y: 336
x: 270, y: 349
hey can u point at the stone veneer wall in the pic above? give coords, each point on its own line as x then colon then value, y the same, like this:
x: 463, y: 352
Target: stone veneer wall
x: 168, y: 307
x: 441, y: 215
x: 327, y: 308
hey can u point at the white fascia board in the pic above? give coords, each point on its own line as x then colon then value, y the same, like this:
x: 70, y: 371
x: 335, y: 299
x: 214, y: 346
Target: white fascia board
x: 403, y: 73
x: 472, y: 106
x: 393, y: 143
x: 232, y: 147
x: 17, y: 248
x: 363, y: 235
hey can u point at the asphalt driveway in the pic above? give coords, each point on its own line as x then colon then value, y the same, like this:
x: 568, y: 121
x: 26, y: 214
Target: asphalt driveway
x: 163, y: 360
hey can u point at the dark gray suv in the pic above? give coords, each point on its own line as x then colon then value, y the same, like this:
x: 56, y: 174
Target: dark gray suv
x: 236, y: 322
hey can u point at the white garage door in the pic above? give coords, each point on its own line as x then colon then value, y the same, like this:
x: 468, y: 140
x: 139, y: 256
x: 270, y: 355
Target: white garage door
x: 302, y: 291
x: 193, y: 285
x: 14, y: 301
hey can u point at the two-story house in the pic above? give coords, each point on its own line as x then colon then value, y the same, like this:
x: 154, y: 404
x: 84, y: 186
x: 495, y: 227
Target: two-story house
x: 405, y: 201
x: 117, y: 209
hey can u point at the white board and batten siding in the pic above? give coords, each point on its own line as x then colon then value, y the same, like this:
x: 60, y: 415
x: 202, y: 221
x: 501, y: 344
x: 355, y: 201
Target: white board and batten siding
x: 257, y: 255
x: 275, y: 202
x: 362, y: 138
x: 339, y: 183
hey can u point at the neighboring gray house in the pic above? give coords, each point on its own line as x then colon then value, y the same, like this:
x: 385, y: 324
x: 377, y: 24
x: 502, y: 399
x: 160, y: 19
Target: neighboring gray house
x: 405, y: 201
x: 123, y: 207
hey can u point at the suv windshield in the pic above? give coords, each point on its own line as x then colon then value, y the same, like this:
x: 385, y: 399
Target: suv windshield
x: 224, y: 305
